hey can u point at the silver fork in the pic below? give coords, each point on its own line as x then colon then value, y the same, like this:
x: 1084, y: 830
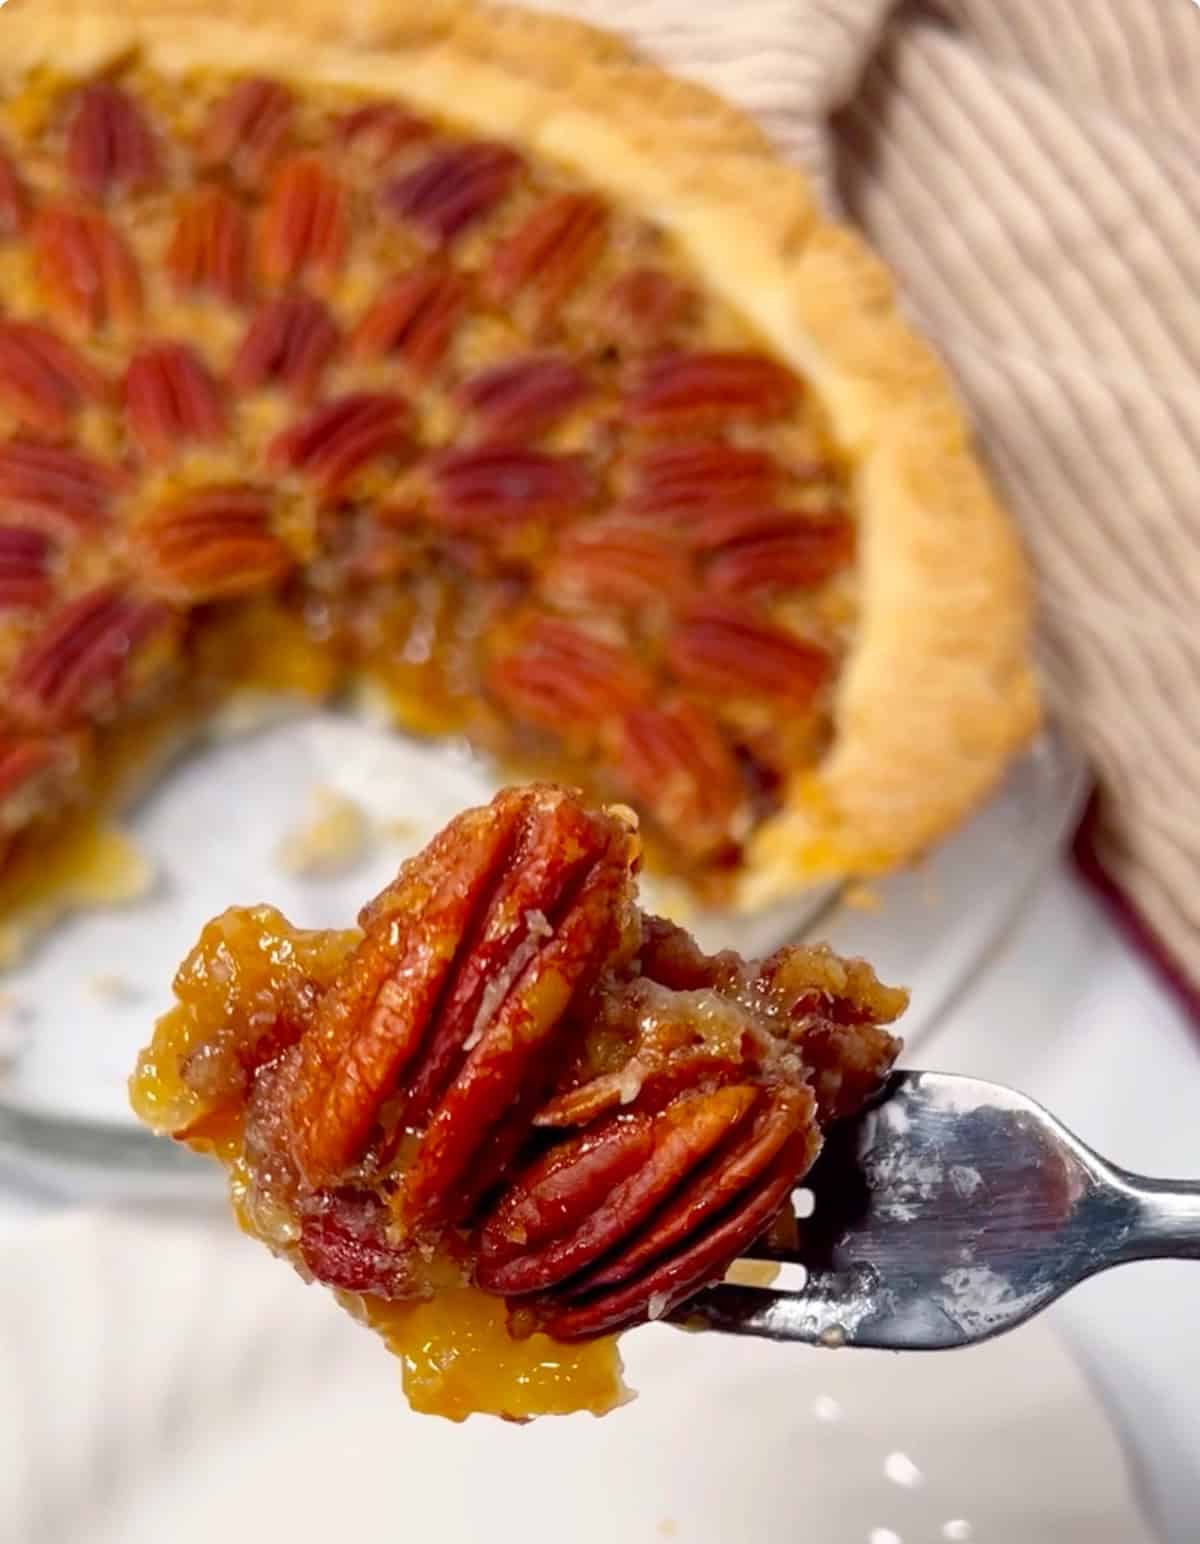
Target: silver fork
x: 949, y: 1211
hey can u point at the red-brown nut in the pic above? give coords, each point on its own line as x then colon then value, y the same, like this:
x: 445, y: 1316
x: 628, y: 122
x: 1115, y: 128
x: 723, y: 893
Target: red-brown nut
x: 459, y: 991
x: 110, y: 146
x: 87, y: 273
x: 289, y: 343
x: 247, y: 130
x: 86, y: 657
x: 44, y: 379
x: 211, y: 247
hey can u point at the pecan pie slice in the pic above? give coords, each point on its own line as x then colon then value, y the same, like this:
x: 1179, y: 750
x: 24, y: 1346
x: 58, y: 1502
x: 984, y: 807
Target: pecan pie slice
x: 510, y: 1114
x: 456, y: 350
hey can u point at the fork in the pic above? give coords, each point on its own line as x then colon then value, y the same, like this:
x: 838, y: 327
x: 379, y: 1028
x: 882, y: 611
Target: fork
x: 949, y: 1211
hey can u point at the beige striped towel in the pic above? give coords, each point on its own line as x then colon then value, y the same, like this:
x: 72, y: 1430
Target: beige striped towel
x: 1031, y: 170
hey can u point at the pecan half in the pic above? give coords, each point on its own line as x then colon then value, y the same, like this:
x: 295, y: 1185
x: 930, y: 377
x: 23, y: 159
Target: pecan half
x: 550, y: 252
x: 681, y: 769
x: 380, y: 130
x: 754, y: 550
x: 683, y: 479
x: 721, y: 648
x: 673, y: 1268
x: 468, y: 967
x: 644, y: 309
x: 453, y: 188
x: 14, y: 201
x: 65, y: 491
x: 24, y: 568
x: 170, y: 398
x: 44, y: 380
x: 84, y: 658
x: 85, y: 269
x: 305, y: 224
x: 616, y: 560
x: 110, y: 146
x: 33, y: 770
x: 289, y: 343
x: 561, y: 679
x: 247, y: 130
x: 522, y: 398
x: 344, y: 1243
x: 677, y: 390
x: 413, y: 317
x: 210, y: 247
x: 475, y: 489
x: 628, y: 1219
x: 213, y: 543
x: 339, y: 438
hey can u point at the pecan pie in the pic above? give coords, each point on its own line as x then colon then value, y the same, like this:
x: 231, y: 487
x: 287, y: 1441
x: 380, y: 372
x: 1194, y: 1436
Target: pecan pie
x: 510, y: 1114
x: 457, y: 351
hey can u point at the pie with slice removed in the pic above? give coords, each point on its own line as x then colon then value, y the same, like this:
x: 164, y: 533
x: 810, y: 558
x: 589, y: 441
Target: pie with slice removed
x: 458, y: 354
x: 510, y: 1114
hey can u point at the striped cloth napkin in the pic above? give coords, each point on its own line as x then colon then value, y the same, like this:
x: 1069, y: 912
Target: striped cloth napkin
x: 1031, y: 171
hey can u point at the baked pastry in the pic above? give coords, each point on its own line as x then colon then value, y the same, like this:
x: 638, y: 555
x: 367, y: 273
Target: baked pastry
x: 509, y: 1086
x: 458, y: 351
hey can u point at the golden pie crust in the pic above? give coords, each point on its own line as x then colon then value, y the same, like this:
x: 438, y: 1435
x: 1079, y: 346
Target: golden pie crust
x: 935, y: 693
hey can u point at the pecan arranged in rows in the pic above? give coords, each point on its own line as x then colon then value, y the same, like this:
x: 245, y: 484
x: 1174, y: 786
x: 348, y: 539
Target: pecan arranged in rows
x: 721, y: 648
x: 171, y: 398
x: 380, y: 130
x: 521, y: 906
x: 672, y: 391
x: 617, y: 560
x: 31, y: 767
x: 14, y: 201
x: 453, y: 188
x: 682, y: 480
x: 758, y: 549
x: 86, y: 271
x: 110, y: 146
x: 683, y: 771
x: 550, y: 252
x: 44, y: 379
x: 247, y: 130
x: 24, y: 568
x: 210, y: 247
x: 522, y: 398
x: 559, y: 678
x: 414, y: 318
x: 86, y: 658
x: 61, y: 490
x: 305, y: 224
x: 289, y: 343
x: 339, y: 438
x: 473, y: 490
x: 213, y: 543
x: 644, y: 309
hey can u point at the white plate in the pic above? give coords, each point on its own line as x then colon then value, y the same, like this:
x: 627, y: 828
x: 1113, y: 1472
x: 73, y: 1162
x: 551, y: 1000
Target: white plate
x: 77, y: 1012
x: 166, y: 1383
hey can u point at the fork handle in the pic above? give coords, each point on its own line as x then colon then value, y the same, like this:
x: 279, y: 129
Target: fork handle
x: 1163, y: 1219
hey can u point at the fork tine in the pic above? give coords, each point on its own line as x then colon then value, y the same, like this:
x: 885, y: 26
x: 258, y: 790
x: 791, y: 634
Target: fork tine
x: 736, y: 1310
